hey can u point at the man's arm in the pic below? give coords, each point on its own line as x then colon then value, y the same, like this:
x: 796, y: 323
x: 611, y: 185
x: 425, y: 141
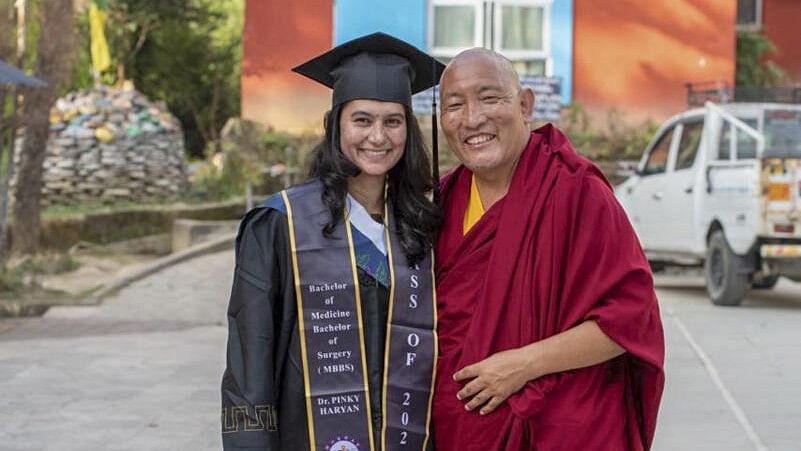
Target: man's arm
x: 502, y: 374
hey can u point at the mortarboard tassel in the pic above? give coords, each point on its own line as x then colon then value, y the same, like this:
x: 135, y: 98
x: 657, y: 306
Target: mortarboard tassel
x: 435, y: 140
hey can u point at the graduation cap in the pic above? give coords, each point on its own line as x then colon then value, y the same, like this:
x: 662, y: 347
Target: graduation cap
x: 377, y: 67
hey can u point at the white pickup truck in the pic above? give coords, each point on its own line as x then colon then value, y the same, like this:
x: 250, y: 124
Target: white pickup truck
x: 720, y: 186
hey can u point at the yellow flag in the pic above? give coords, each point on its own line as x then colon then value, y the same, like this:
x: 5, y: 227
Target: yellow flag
x: 101, y: 60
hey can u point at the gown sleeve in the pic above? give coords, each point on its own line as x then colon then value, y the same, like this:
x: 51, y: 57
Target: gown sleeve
x: 256, y: 346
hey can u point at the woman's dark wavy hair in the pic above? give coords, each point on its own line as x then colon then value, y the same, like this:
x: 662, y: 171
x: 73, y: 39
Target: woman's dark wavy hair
x: 416, y: 217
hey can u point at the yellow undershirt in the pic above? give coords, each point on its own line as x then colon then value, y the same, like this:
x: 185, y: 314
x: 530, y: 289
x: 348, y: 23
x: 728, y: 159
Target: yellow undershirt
x: 475, y: 210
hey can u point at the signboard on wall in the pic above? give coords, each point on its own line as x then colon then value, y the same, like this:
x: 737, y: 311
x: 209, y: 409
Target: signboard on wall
x: 547, y: 96
x: 421, y: 102
x: 547, y: 103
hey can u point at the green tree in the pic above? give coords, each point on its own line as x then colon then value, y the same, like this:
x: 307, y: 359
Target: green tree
x: 8, y: 107
x: 197, y: 76
x: 185, y: 53
x: 753, y: 69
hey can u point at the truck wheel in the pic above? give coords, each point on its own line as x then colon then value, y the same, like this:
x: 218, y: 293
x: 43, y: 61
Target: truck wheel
x: 723, y: 283
x: 765, y: 283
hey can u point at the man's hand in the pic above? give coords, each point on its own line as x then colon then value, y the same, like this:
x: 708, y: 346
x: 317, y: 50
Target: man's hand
x: 493, y: 380
x: 501, y: 375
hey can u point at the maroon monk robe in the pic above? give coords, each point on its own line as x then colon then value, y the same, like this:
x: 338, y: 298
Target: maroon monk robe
x: 556, y: 251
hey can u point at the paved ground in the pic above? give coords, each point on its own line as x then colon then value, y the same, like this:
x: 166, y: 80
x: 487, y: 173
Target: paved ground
x: 141, y: 372
x: 733, y: 373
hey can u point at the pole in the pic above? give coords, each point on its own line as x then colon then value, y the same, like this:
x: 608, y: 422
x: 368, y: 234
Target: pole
x: 5, y: 195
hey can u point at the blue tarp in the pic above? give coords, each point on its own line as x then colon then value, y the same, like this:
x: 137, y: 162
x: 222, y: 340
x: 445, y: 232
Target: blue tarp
x: 10, y: 75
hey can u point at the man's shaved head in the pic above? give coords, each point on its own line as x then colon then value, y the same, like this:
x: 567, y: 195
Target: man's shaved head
x: 485, y: 114
x: 470, y: 56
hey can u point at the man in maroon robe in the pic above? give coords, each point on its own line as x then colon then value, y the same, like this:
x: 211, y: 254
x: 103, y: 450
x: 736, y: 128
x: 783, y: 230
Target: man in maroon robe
x: 550, y: 336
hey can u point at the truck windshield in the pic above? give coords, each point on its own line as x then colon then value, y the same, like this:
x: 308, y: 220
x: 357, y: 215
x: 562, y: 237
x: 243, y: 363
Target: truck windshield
x: 782, y: 134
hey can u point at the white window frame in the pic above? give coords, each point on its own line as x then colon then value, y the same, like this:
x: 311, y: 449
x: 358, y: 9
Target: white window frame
x: 757, y: 24
x: 525, y: 55
x: 478, y: 37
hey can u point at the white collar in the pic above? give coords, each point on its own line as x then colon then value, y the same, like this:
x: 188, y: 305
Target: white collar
x: 361, y: 219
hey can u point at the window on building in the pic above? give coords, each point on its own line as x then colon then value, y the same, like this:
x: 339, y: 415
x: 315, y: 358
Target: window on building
x: 749, y: 14
x: 519, y: 29
x: 522, y: 34
x: 455, y: 25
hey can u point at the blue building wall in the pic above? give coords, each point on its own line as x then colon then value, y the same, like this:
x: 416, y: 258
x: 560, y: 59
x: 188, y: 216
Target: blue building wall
x: 404, y: 19
x: 562, y: 45
x: 408, y: 20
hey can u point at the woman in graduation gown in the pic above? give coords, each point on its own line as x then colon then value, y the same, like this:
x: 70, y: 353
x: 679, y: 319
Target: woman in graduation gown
x: 332, y: 342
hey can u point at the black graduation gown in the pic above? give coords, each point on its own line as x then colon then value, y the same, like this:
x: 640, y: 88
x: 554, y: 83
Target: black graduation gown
x: 263, y: 357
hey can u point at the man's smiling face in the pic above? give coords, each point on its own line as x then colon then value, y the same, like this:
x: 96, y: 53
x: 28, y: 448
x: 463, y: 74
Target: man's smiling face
x: 485, y: 116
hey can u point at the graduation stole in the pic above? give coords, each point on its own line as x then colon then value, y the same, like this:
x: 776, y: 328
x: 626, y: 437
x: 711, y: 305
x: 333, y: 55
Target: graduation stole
x: 332, y: 339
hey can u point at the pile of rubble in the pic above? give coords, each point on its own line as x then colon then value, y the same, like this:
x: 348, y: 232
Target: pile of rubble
x: 108, y: 144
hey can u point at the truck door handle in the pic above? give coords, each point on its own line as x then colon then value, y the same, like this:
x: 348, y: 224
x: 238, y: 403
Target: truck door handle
x: 657, y: 196
x: 688, y: 190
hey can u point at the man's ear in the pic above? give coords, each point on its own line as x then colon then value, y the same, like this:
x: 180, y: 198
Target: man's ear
x: 527, y: 103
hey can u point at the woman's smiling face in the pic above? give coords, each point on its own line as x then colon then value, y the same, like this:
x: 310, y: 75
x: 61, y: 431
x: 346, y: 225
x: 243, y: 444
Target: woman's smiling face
x: 372, y: 135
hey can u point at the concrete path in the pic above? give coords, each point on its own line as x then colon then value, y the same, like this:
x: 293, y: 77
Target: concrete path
x: 142, y: 370
x: 139, y: 372
x: 733, y: 374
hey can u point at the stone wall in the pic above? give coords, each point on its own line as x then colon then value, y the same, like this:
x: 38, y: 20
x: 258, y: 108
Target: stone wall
x: 108, y: 227
x: 110, y: 145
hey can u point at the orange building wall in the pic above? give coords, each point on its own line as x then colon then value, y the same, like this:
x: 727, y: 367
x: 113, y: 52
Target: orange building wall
x: 636, y: 56
x: 278, y: 36
x: 781, y: 20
